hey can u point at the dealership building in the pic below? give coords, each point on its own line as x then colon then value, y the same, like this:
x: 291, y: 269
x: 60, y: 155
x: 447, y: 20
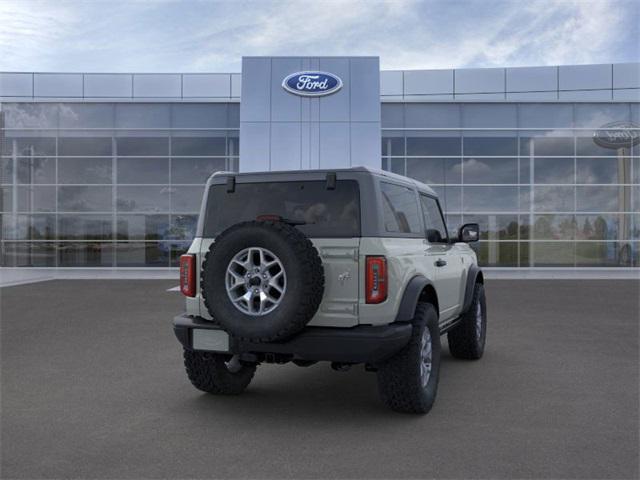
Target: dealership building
x: 108, y: 170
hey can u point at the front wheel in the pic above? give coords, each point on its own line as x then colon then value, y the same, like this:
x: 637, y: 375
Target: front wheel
x: 467, y: 339
x: 408, y: 382
x: 215, y: 373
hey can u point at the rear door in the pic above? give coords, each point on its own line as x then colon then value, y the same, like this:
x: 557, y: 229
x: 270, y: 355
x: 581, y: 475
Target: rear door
x: 449, y: 271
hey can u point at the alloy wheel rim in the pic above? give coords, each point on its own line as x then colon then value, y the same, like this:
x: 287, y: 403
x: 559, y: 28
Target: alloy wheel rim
x: 426, y: 357
x: 479, y: 321
x: 255, y: 281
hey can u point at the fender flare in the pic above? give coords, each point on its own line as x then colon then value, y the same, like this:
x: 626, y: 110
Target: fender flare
x: 472, y: 277
x: 410, y: 298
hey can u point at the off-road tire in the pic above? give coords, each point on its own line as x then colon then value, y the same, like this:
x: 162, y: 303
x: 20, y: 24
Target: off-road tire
x: 399, y: 380
x: 209, y: 373
x: 303, y: 268
x: 464, y: 341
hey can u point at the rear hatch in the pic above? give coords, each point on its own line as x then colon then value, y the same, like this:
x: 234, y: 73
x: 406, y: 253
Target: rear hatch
x: 328, y: 214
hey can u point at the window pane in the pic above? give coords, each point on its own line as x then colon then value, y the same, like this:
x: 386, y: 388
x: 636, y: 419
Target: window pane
x: 143, y: 116
x: 392, y: 115
x: 392, y: 145
x: 398, y: 165
x: 143, y: 199
x: 435, y: 170
x: 554, y: 227
x: 28, y: 227
x: 432, y: 115
x: 6, y: 199
x: 586, y: 146
x: 27, y: 254
x: 553, y: 199
x: 488, y: 115
x: 198, y: 146
x: 143, y: 227
x: 490, y: 146
x: 142, y: 255
x: 90, y: 115
x: 495, y: 227
x: 85, y: 227
x: 84, y: 199
x: 546, y: 146
x: 553, y: 170
x: 496, y: 254
x: 597, y: 114
x: 194, y: 170
x: 186, y: 199
x: 604, y: 254
x: 538, y: 115
x: 490, y: 170
x: 28, y: 146
x: 86, y: 254
x: 450, y: 198
x: 143, y: 146
x: 603, y: 170
x: 604, y: 226
x: 184, y: 226
x: 200, y: 115
x: 84, y: 170
x: 552, y: 254
x: 420, y: 145
x: 143, y: 170
x: 400, y: 209
x: 433, y: 221
x: 30, y: 115
x: 325, y: 213
x: 603, y: 199
x: 84, y: 146
x: 490, y: 199
x: 37, y: 199
x: 6, y: 170
x: 36, y: 170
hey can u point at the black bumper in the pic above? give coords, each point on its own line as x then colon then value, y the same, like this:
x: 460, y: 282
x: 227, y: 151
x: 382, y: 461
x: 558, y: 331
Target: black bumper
x: 360, y: 344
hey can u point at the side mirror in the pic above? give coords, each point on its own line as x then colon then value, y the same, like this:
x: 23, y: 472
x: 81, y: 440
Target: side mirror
x: 469, y: 232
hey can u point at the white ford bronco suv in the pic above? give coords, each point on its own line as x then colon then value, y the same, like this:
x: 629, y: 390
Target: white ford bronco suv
x: 348, y: 266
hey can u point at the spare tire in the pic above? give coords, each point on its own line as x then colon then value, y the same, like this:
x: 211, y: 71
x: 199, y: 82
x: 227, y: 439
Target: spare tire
x: 262, y: 281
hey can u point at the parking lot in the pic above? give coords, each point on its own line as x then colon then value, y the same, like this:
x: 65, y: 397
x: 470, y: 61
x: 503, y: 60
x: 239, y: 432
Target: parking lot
x: 93, y: 387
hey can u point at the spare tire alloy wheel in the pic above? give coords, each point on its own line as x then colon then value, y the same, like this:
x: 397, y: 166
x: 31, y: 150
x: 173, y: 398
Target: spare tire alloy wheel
x: 256, y: 281
x: 262, y: 281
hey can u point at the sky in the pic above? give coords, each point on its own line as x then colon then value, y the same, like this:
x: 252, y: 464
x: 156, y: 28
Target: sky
x: 212, y: 36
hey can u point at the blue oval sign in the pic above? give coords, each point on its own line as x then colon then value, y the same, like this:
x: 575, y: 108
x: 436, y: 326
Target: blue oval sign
x: 312, y: 84
x: 617, y: 135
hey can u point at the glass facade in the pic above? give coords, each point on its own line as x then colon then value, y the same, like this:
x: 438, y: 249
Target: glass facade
x: 119, y: 184
x: 108, y: 184
x: 543, y: 191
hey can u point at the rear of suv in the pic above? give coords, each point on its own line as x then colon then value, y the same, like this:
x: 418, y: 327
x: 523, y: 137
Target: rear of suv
x: 352, y: 266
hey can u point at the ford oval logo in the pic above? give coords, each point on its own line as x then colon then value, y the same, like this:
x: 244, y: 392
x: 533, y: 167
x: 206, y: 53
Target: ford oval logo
x: 312, y: 84
x: 617, y: 135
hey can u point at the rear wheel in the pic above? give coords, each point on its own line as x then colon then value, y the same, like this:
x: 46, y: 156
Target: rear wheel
x: 408, y: 382
x: 467, y: 339
x: 216, y: 373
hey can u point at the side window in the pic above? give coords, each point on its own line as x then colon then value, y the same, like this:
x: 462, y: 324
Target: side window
x: 434, y: 223
x: 400, y: 209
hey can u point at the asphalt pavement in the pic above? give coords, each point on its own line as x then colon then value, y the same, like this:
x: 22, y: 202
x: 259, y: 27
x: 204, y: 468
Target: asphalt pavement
x: 92, y: 386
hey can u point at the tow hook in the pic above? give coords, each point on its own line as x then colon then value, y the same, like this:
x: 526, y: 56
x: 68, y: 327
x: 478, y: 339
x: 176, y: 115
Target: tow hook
x: 234, y: 365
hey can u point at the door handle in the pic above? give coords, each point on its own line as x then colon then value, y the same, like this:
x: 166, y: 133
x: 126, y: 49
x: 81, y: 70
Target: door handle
x: 440, y: 263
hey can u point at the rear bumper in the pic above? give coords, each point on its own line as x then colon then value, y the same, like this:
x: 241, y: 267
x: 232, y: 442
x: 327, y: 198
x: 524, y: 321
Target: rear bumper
x: 361, y: 344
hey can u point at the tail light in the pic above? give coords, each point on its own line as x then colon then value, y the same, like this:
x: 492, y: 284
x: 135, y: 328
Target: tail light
x: 376, y: 280
x: 188, y: 275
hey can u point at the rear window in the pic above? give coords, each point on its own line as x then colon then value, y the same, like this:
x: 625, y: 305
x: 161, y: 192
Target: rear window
x: 325, y: 213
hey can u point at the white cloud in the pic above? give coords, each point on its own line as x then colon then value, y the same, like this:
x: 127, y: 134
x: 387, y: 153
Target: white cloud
x: 212, y: 36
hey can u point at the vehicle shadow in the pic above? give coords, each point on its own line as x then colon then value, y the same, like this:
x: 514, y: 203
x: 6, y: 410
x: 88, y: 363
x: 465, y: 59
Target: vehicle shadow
x: 289, y: 393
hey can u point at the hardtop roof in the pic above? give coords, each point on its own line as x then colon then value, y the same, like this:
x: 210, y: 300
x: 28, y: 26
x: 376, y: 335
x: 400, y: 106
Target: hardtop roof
x: 302, y: 173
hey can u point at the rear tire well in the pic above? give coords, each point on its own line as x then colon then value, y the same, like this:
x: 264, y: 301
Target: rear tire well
x: 429, y: 295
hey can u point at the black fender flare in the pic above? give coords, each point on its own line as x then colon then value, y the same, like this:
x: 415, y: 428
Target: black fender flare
x: 410, y: 298
x: 472, y: 277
